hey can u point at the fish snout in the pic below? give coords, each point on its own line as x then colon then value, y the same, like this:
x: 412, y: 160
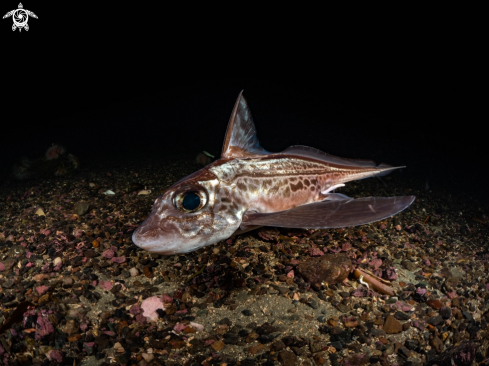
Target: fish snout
x: 154, y: 238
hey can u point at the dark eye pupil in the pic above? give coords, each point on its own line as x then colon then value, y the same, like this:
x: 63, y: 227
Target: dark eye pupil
x: 191, y: 201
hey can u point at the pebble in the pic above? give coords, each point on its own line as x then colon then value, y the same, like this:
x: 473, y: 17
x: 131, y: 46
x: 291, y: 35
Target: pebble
x: 435, y: 304
x: 81, y: 208
x: 337, y: 345
x: 277, y: 346
x: 445, y: 312
x: 319, y: 359
x: 435, y: 320
x: 392, y: 325
x: 67, y: 281
x: 437, y: 344
x: 404, y: 352
x: 377, y: 332
x: 287, y: 358
x: 70, y: 327
x: 253, y: 350
x: 134, y: 272
x: 147, y: 271
x: 401, y: 315
x: 217, y: 346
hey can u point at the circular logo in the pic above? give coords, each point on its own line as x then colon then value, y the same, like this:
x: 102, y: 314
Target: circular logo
x: 20, y: 17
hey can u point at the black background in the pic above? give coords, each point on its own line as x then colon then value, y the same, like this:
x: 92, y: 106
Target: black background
x: 403, y: 87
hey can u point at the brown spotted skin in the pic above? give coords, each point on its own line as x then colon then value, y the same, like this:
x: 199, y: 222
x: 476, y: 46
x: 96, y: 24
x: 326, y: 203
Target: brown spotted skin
x: 233, y: 186
x: 281, y: 182
x: 247, y: 179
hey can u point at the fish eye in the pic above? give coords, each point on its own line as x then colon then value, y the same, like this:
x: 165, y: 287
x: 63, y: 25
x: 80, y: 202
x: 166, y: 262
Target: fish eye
x: 190, y: 199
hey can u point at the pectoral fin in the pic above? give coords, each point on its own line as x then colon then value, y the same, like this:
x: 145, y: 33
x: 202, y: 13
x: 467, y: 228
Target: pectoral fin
x: 332, y: 213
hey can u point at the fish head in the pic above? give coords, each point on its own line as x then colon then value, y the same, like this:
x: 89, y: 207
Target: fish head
x: 184, y: 217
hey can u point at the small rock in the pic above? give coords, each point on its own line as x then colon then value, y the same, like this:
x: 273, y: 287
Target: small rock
x: 403, y: 352
x: 319, y: 360
x: 253, y: 350
x: 401, y: 315
x: 89, y: 347
x: 278, y: 345
x: 81, y: 208
x: 247, y: 313
x: 437, y: 344
x: 287, y: 358
x: 318, y: 346
x: 410, y: 266
x: 376, y: 332
x: 435, y: 304
x: 134, y: 272
x: 147, y: 271
x: 67, y: 282
x: 90, y: 253
x: 57, y: 261
x: 217, y: 346
x: 70, y: 327
x: 392, y: 325
x: 445, y: 312
x: 337, y: 345
x: 435, y: 320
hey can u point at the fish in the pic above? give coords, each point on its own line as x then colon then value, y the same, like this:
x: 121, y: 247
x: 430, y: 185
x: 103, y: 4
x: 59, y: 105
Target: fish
x: 250, y: 187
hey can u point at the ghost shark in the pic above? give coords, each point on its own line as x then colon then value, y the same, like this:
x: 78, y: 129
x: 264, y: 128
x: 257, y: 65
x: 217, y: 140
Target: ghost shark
x: 249, y: 187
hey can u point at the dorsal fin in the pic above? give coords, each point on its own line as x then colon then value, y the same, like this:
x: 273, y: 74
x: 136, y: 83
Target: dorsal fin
x: 241, y: 140
x: 310, y: 152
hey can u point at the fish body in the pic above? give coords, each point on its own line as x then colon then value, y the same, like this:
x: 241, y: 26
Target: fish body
x: 251, y: 187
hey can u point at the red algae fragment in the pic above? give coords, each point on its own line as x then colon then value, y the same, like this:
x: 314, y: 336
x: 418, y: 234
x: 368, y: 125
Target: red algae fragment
x: 119, y: 260
x: 315, y: 252
x: 44, y: 327
x: 55, y: 355
x: 150, y: 305
x: 106, y: 285
x: 42, y: 289
x: 109, y: 253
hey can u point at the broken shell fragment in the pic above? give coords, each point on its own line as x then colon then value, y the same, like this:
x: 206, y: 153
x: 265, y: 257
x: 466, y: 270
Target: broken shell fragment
x: 144, y: 192
x: 374, y: 282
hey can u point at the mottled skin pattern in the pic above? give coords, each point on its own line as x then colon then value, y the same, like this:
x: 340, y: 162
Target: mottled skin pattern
x: 247, y: 179
x: 280, y: 182
x: 233, y: 186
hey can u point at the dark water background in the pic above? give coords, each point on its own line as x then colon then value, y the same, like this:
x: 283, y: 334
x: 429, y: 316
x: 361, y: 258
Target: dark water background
x: 121, y: 91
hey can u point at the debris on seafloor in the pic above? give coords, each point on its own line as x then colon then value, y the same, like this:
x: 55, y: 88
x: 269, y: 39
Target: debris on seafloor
x: 329, y: 268
x: 365, y: 277
x: 55, y: 163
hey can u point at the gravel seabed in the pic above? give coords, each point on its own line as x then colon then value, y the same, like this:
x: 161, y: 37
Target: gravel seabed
x: 69, y: 267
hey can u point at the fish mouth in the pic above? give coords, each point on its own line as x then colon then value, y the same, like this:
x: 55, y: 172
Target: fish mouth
x: 154, y: 237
